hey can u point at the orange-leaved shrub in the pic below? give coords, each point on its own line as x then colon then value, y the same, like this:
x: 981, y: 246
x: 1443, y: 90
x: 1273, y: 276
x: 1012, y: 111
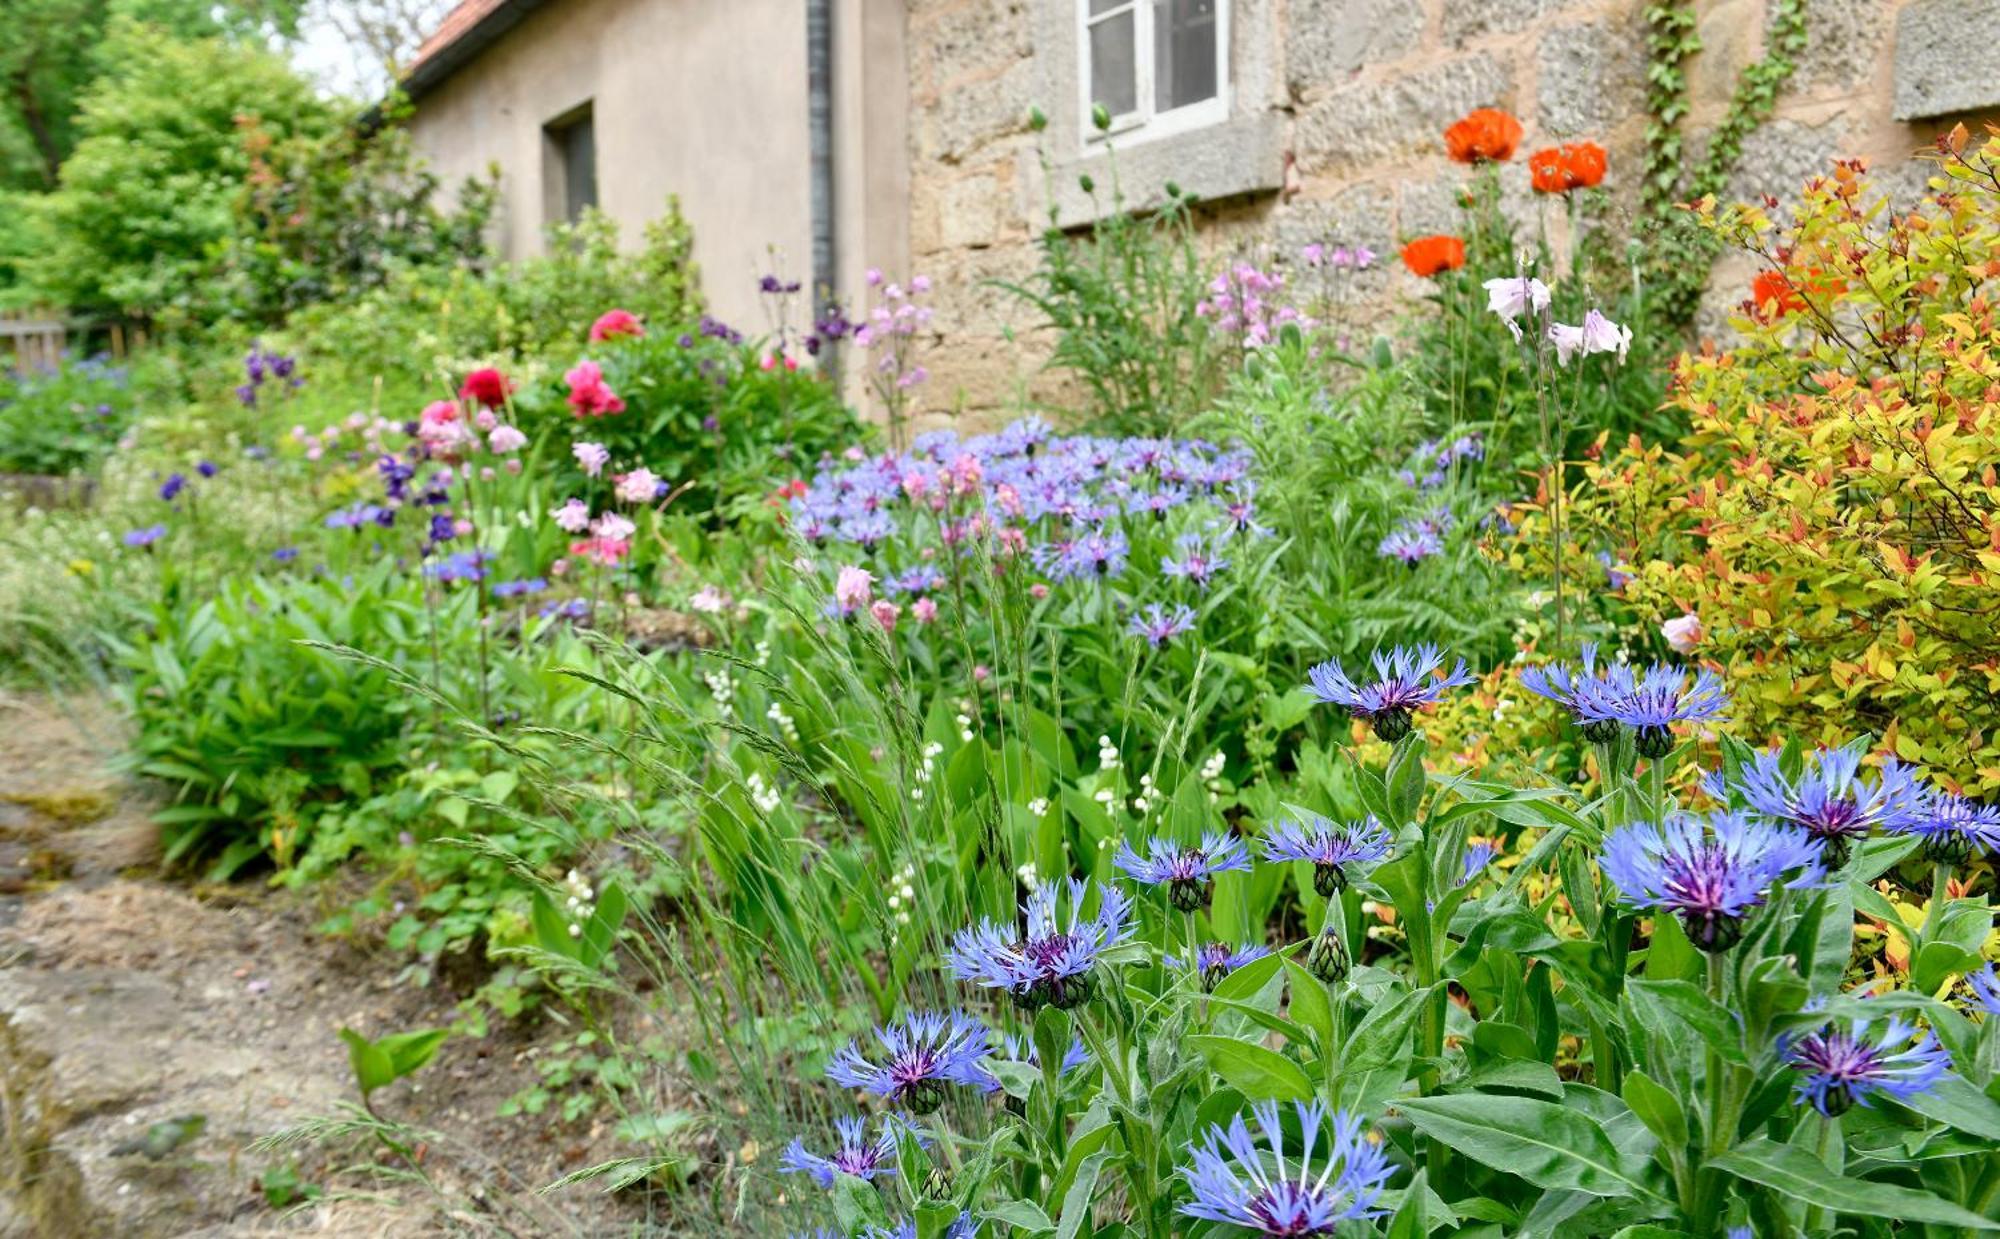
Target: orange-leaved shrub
x: 1833, y: 515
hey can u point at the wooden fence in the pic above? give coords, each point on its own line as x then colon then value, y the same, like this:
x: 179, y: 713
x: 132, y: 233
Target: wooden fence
x: 33, y: 338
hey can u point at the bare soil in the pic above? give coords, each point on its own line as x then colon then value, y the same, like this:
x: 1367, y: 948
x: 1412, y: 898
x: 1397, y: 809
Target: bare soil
x: 128, y: 1000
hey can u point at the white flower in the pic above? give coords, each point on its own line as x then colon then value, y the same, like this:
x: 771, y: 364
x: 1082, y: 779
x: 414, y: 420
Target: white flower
x: 1514, y: 296
x: 1039, y: 806
x: 1597, y: 335
x: 1684, y: 633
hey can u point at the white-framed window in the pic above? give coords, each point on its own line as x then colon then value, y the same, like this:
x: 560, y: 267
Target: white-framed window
x: 1157, y: 66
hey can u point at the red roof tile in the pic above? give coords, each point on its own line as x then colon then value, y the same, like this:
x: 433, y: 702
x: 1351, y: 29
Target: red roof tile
x: 458, y: 23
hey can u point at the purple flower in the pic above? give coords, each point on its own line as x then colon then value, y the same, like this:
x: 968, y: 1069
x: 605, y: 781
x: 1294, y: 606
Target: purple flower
x: 1840, y: 1068
x: 519, y: 589
x: 1985, y: 986
x: 206, y: 468
x: 1100, y: 553
x: 173, y: 486
x: 1713, y: 874
x: 1830, y: 799
x: 1570, y: 687
x: 1215, y: 960
x: 921, y: 1054
x: 1405, y: 680
x: 1478, y: 855
x: 1336, y: 851
x: 285, y: 554
x: 1953, y: 829
x: 1197, y: 565
x: 1659, y: 698
x: 147, y: 536
x: 1051, y: 963
x: 1411, y: 543
x: 1237, y: 1183
x: 354, y: 516
x: 1159, y: 625
x: 1187, y: 872
x: 855, y: 1154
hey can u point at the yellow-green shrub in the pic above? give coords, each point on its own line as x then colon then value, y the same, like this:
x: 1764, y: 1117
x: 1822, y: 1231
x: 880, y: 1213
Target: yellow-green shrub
x: 1833, y: 515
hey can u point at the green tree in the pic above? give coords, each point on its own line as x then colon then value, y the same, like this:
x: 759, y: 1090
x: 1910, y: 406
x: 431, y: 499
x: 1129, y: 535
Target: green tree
x: 145, y: 203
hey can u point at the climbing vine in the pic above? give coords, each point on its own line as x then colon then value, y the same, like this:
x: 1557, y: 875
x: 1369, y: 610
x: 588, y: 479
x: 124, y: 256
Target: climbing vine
x: 1682, y: 253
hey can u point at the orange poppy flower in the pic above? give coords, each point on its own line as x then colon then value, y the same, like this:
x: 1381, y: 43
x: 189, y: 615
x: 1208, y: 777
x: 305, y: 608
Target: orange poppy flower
x: 1483, y: 134
x: 1559, y: 169
x: 1429, y: 255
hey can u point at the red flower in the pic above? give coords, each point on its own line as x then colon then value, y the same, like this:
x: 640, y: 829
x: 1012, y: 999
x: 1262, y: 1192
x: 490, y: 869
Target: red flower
x: 588, y: 393
x: 1484, y: 134
x: 615, y: 323
x: 1429, y: 255
x: 1773, y: 294
x: 489, y: 387
x: 1560, y: 169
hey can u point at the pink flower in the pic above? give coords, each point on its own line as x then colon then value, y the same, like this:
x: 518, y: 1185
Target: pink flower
x: 485, y: 420
x: 559, y: 567
x: 605, y: 551
x: 505, y: 439
x: 709, y: 600
x: 639, y: 486
x: 461, y: 528
x: 982, y: 673
x: 614, y: 527
x: 924, y: 610
x: 572, y: 517
x: 1038, y: 591
x: 615, y: 323
x: 853, y: 588
x: 885, y: 613
x: 592, y: 456
x: 588, y: 395
x: 441, y: 427
x: 1683, y: 634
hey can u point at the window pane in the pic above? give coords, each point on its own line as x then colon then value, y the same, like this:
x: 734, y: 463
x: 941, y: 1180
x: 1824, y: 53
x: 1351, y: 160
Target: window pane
x: 579, y: 142
x: 1184, y: 52
x: 1114, y: 79
x: 1105, y: 6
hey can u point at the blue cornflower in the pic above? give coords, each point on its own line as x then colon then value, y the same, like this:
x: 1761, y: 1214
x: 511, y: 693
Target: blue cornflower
x: 459, y: 566
x: 1478, y: 855
x: 1052, y: 962
x: 1187, y: 872
x: 1215, y: 960
x: 921, y: 579
x: 1659, y: 698
x: 173, y: 486
x: 1985, y: 986
x: 1411, y: 543
x: 1572, y: 687
x: 1097, y: 553
x: 1159, y: 502
x: 1831, y: 800
x: 353, y: 517
x: 1404, y: 681
x: 963, y: 1227
x: 1335, y: 849
x: 856, y: 1154
x: 1713, y: 874
x: 1842, y: 1067
x: 147, y: 536
x: 519, y: 589
x: 921, y: 1054
x: 207, y: 468
x: 1197, y: 565
x: 1234, y: 1182
x: 1159, y: 625
x: 285, y: 554
x: 1954, y: 829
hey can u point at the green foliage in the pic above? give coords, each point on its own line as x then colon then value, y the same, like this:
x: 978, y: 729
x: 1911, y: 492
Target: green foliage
x: 145, y: 200
x: 387, y: 1059
x: 65, y: 419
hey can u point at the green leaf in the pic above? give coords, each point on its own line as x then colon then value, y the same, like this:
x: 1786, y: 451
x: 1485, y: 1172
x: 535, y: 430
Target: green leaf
x: 1549, y: 1145
x: 1954, y: 1102
x: 1077, y: 1200
x: 1657, y: 1108
x: 857, y: 1203
x: 373, y: 1067
x: 1310, y: 1005
x: 1797, y: 1173
x: 1022, y: 1215
x: 411, y: 1051
x: 1257, y: 1072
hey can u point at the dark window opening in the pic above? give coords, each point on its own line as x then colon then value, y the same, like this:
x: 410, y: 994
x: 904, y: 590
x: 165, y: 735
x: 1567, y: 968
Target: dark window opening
x: 573, y: 140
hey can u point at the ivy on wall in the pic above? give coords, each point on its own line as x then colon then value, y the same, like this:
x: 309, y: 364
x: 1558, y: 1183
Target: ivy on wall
x: 1682, y: 253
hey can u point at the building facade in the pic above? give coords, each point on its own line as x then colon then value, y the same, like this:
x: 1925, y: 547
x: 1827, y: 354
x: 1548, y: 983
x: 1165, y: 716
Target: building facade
x: 1299, y: 120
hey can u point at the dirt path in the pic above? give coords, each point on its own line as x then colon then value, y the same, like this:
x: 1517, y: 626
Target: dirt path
x: 127, y: 1001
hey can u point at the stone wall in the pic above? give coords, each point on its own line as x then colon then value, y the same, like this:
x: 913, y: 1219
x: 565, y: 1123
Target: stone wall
x: 1356, y: 93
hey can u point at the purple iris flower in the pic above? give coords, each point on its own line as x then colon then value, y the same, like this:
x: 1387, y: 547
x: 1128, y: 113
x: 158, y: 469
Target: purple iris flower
x: 1051, y: 963
x: 1573, y: 687
x: 1711, y: 874
x: 1841, y: 1067
x: 1188, y: 873
x: 1215, y: 960
x: 1237, y: 1183
x: 1831, y: 798
x: 855, y: 1153
x: 1336, y: 851
x: 1159, y: 625
x: 1659, y: 698
x: 1405, y: 680
x: 920, y: 1055
x: 1954, y: 829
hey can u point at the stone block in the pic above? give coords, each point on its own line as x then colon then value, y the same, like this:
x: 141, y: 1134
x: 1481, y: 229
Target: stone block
x: 970, y: 213
x: 962, y: 120
x: 1730, y: 33
x: 1241, y: 156
x: 1373, y: 122
x: 1947, y: 58
x: 1845, y: 41
x: 1589, y: 77
x: 1780, y: 156
x: 1470, y: 19
x: 980, y: 37
x: 1331, y: 40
